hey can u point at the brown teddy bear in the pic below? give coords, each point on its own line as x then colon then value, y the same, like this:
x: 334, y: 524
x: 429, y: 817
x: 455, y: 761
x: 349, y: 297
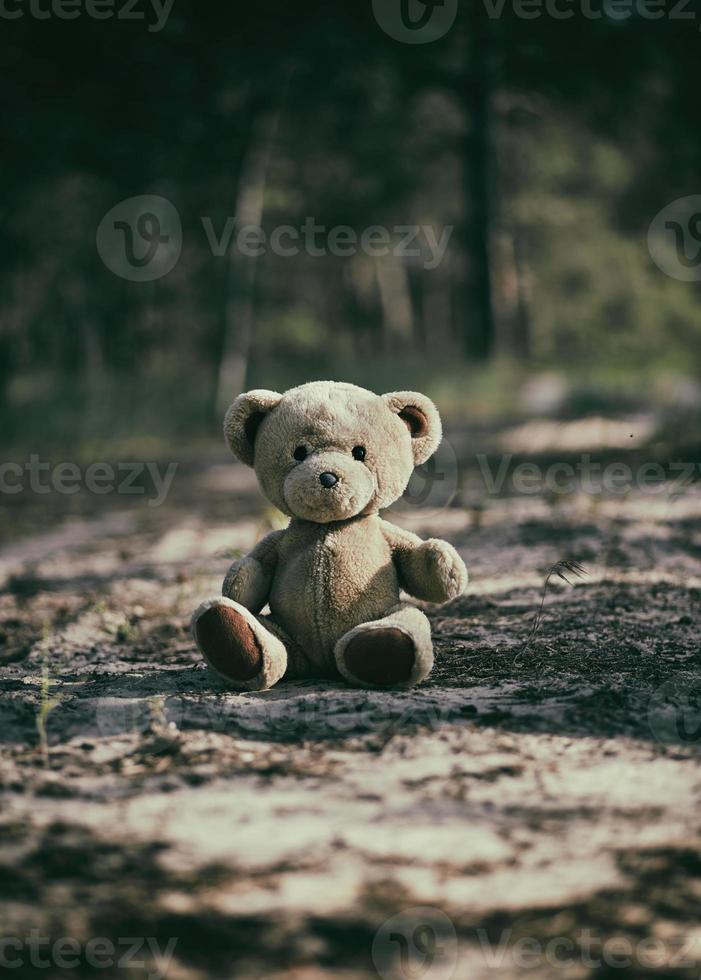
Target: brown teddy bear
x: 330, y: 456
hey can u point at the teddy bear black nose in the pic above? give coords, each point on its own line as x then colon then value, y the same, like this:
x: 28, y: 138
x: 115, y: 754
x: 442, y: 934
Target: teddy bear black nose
x: 328, y: 480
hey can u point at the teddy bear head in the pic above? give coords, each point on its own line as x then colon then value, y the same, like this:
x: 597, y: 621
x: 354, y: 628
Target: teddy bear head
x: 329, y: 451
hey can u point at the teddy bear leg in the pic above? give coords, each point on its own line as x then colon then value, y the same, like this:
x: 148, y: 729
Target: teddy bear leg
x: 237, y: 646
x: 395, y: 651
x: 299, y: 667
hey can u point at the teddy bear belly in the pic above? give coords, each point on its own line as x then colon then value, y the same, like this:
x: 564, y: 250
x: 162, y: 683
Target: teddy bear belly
x: 329, y: 585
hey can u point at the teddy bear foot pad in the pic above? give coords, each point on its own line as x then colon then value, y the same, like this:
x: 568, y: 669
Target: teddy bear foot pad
x: 381, y: 657
x: 229, y: 644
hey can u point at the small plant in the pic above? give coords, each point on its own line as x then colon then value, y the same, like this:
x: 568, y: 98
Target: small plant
x: 567, y: 565
x: 47, y: 703
x: 127, y: 632
x: 100, y: 607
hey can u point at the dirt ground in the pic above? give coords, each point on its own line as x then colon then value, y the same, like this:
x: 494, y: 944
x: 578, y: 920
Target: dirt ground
x: 533, y: 809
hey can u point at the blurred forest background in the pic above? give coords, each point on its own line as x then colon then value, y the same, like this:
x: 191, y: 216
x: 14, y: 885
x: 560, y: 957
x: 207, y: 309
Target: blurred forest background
x: 548, y: 144
x: 543, y: 785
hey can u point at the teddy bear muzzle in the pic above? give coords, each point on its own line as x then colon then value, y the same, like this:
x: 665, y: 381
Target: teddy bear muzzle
x: 328, y: 486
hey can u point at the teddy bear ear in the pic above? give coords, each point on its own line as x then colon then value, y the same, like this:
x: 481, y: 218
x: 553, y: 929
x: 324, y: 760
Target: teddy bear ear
x: 421, y: 418
x: 243, y: 419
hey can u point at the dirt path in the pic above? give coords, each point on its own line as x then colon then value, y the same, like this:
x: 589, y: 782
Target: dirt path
x: 534, y: 809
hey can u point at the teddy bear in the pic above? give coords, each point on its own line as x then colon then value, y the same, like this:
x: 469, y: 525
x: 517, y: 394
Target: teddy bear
x: 330, y: 456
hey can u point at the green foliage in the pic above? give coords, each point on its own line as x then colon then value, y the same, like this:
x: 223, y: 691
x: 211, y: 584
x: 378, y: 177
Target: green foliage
x: 586, y: 129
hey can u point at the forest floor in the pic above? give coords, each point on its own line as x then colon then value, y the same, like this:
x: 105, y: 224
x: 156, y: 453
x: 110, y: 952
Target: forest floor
x: 533, y: 809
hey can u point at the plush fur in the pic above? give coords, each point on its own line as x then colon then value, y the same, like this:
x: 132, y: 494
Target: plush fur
x: 330, y: 456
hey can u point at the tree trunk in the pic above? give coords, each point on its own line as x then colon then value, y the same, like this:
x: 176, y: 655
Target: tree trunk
x: 395, y: 300
x: 476, y: 95
x: 522, y: 338
x: 242, y: 270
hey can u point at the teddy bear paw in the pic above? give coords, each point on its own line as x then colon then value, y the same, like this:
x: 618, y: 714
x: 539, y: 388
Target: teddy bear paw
x: 381, y: 657
x: 228, y: 643
x: 443, y: 570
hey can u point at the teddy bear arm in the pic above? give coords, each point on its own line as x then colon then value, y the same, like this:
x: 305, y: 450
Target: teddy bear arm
x: 249, y: 579
x: 407, y: 553
x: 430, y: 570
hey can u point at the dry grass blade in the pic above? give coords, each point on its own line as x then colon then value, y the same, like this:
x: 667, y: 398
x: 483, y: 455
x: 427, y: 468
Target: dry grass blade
x: 566, y: 565
x: 46, y: 705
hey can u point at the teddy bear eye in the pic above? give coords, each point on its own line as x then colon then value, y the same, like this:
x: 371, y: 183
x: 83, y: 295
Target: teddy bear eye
x: 359, y: 453
x: 300, y: 453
